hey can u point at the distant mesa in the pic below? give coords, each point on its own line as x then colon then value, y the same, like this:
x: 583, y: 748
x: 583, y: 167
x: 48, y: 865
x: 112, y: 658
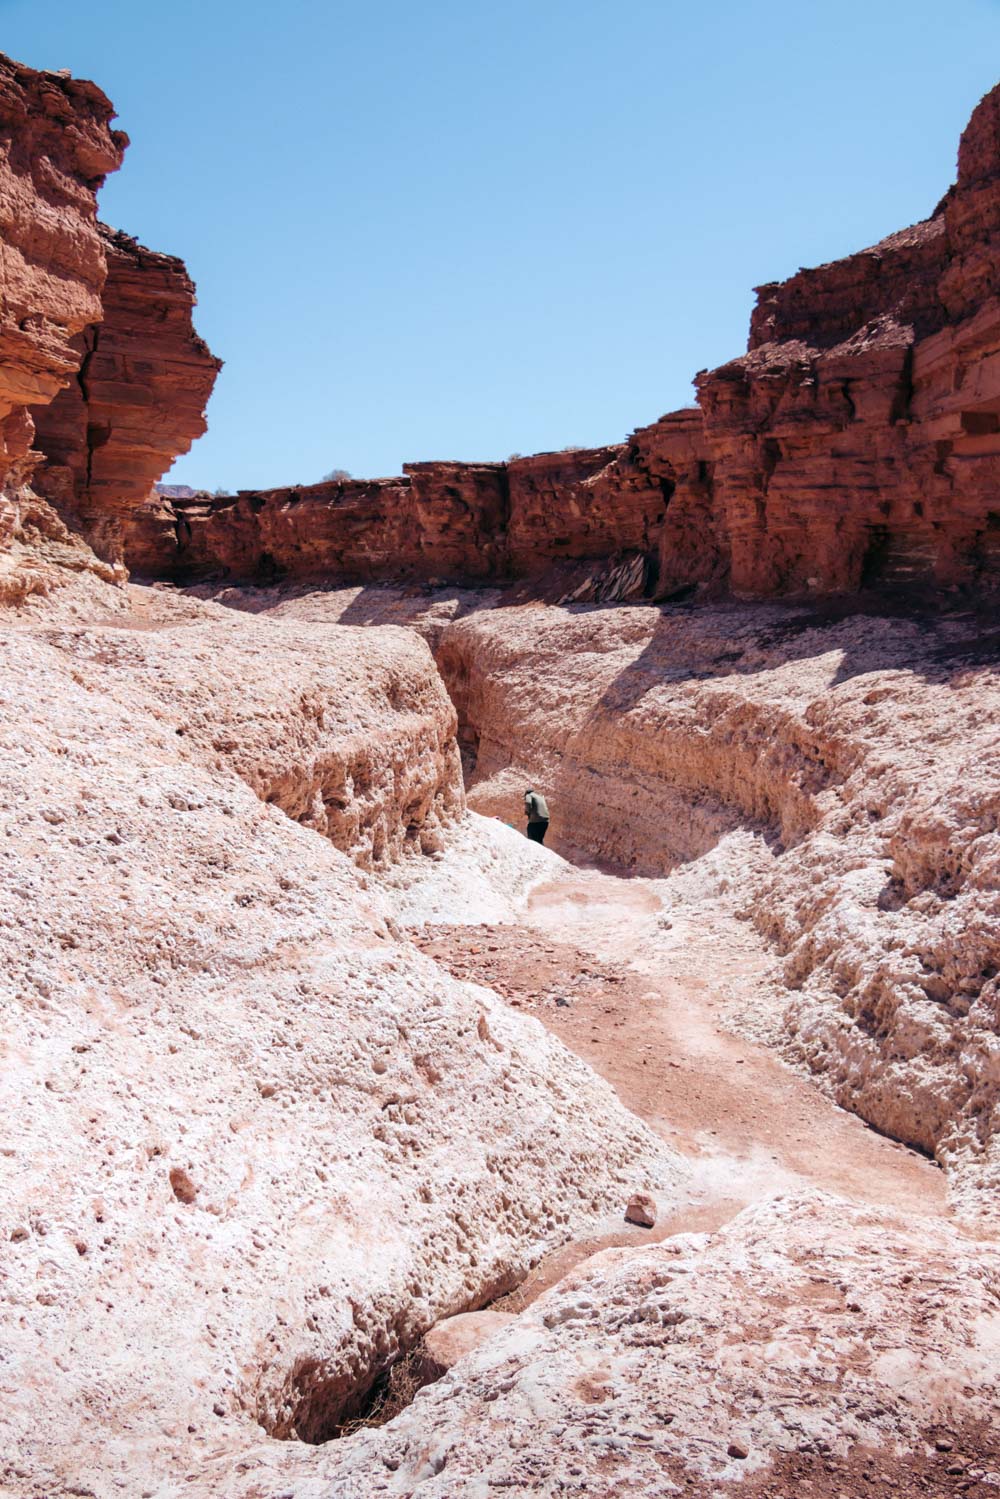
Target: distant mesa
x: 178, y: 491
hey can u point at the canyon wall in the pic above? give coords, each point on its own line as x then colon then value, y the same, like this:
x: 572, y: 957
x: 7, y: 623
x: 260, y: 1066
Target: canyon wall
x: 833, y: 781
x: 855, y: 445
x: 102, y: 379
x: 809, y: 1347
x: 56, y: 147
x: 138, y: 399
x: 258, y: 1143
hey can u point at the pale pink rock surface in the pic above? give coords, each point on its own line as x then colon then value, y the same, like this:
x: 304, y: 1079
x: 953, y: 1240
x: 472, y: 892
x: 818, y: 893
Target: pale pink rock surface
x: 805, y: 1328
x: 829, y: 777
x: 455, y: 1337
x: 835, y: 778
x: 252, y: 1144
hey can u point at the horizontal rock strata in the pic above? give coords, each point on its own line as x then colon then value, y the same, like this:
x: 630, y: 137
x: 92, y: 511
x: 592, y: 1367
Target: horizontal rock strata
x: 138, y: 400
x: 57, y: 148
x: 856, y: 445
x: 102, y: 379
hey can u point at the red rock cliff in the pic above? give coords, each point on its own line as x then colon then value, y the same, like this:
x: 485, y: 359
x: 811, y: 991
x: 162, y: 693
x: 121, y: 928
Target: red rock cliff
x: 138, y: 400
x: 56, y: 147
x: 101, y: 373
x: 856, y: 444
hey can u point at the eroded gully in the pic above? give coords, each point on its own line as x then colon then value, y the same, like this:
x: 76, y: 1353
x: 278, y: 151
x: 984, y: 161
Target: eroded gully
x: 645, y: 1008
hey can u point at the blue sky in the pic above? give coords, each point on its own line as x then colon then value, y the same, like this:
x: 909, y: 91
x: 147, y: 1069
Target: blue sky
x: 456, y: 230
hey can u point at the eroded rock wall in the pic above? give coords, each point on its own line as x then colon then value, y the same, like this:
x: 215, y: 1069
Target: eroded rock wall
x: 56, y: 147
x: 837, y: 779
x: 439, y: 519
x: 138, y: 399
x: 102, y: 379
x: 856, y: 445
x: 277, y: 1144
x: 810, y: 1346
x: 362, y: 751
x: 440, y: 522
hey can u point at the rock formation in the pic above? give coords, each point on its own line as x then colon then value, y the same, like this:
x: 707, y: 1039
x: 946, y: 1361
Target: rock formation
x: 442, y: 519
x: 807, y: 1348
x: 378, y: 784
x: 256, y: 1144
x: 855, y: 445
x: 861, y: 756
x: 58, y: 146
x: 100, y: 371
x: 261, y: 1148
x: 138, y: 399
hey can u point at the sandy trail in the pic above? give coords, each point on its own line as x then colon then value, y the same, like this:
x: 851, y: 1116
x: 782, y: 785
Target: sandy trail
x: 645, y: 1007
x: 755, y: 1125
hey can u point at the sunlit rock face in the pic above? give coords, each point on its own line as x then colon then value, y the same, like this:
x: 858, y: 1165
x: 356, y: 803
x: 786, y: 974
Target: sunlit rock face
x: 138, y: 400
x: 102, y: 378
x: 835, y: 780
x: 809, y: 1342
x: 56, y: 147
x: 258, y: 1143
x: 855, y: 446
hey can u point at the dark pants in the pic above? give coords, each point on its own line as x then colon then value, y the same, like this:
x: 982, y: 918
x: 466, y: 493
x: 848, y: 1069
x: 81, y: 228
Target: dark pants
x: 537, y: 831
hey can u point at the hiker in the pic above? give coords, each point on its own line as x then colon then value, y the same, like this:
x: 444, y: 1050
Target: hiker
x: 537, y: 814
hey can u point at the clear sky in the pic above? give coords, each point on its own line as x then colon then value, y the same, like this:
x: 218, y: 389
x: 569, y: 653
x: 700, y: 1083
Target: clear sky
x: 451, y: 229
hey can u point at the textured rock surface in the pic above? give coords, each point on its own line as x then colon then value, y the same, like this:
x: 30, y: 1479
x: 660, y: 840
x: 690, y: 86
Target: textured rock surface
x: 855, y: 446
x: 841, y: 1340
x: 441, y: 519
x: 257, y: 1144
x: 138, y: 400
x: 56, y: 147
x: 456, y: 1337
x: 254, y: 1145
x: 100, y: 371
x: 860, y: 755
x: 362, y: 750
x: 45, y: 569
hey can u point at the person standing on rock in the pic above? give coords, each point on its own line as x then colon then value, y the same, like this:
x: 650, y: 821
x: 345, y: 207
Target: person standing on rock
x: 537, y: 813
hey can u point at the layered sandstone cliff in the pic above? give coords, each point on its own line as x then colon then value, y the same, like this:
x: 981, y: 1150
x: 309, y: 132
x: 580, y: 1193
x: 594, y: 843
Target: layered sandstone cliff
x: 102, y: 379
x: 138, y: 399
x: 855, y: 445
x: 57, y: 147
